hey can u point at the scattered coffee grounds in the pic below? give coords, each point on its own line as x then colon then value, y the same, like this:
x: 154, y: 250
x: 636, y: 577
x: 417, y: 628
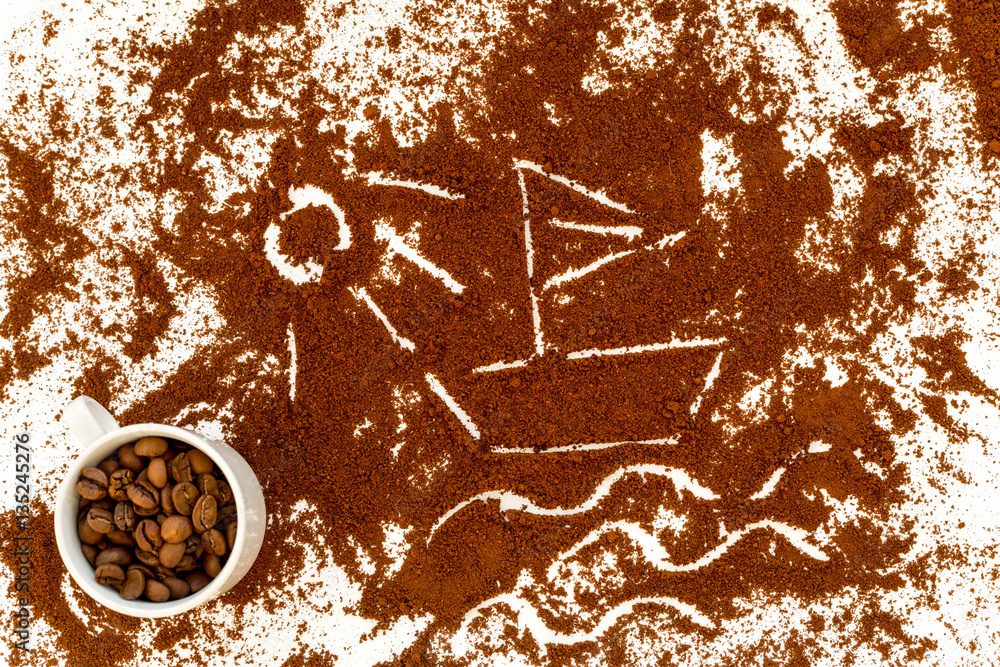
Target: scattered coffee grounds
x: 975, y: 27
x: 556, y: 333
x: 156, y: 519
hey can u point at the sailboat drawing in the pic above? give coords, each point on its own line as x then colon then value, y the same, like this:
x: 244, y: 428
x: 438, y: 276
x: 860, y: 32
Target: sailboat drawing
x: 550, y: 388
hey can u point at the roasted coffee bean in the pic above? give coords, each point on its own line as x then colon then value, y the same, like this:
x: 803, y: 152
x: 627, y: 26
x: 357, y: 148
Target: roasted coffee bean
x: 184, y: 495
x: 162, y: 572
x: 101, y: 520
x: 208, y: 486
x: 119, y: 482
x: 128, y: 458
x: 108, y: 466
x: 178, y: 587
x: 146, y: 572
x: 144, y: 495
x: 212, y: 564
x: 125, y: 516
x: 147, y: 558
x: 121, y: 538
x: 171, y: 554
x: 180, y: 445
x: 194, y: 548
x: 104, y: 504
x: 176, y: 529
x: 151, y: 447
x: 145, y: 512
x: 187, y: 563
x: 193, y: 544
x: 204, y: 514
x: 200, y: 461
x: 214, y: 542
x: 197, y: 580
x: 147, y: 535
x: 83, y: 503
x: 157, y: 472
x: 227, y: 514
x: 119, y: 556
x: 225, y: 492
x: 180, y: 468
x: 156, y: 592
x: 231, y: 534
x: 90, y: 552
x: 143, y: 475
x: 135, y: 584
x: 92, y: 484
x: 166, y: 501
x: 109, y: 575
x: 87, y: 534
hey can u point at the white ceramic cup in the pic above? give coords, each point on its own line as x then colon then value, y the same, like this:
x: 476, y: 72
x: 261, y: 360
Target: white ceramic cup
x: 101, y: 437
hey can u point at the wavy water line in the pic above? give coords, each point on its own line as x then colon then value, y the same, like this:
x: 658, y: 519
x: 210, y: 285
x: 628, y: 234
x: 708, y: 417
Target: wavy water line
x: 655, y: 553
x: 512, y: 501
x: 529, y: 619
x: 769, y: 486
x: 815, y: 447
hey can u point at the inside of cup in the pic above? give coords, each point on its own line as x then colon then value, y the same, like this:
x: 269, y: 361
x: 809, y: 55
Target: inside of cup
x: 71, y: 546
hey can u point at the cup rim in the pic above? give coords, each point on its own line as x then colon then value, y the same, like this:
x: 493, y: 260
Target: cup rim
x: 67, y: 540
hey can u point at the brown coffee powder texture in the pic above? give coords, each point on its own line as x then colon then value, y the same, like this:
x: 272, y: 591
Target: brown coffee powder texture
x: 975, y: 27
x: 579, y: 386
x: 81, y: 642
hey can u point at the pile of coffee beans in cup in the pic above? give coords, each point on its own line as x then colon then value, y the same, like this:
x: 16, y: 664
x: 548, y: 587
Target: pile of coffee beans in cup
x: 157, y: 519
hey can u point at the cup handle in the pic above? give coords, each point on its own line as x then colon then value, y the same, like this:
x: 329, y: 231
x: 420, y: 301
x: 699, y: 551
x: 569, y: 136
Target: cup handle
x: 88, y: 419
